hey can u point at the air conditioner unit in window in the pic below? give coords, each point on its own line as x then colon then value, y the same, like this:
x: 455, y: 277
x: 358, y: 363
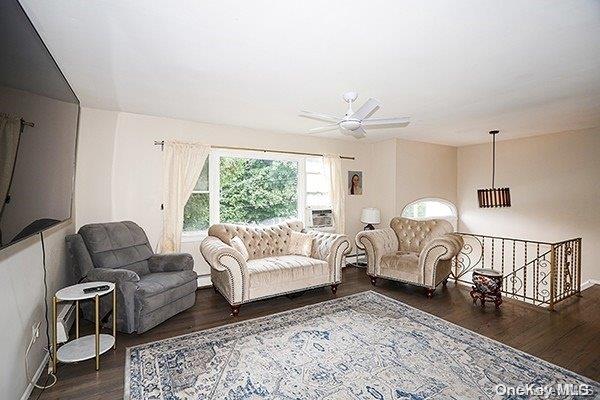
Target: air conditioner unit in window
x: 320, y: 217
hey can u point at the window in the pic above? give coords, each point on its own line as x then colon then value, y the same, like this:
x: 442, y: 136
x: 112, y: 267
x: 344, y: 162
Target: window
x: 257, y: 191
x: 317, y: 189
x: 431, y: 208
x: 255, y: 188
x: 196, y: 212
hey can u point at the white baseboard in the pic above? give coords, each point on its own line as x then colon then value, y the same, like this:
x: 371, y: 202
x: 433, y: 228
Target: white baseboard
x: 204, y: 281
x: 589, y: 283
x: 35, y: 377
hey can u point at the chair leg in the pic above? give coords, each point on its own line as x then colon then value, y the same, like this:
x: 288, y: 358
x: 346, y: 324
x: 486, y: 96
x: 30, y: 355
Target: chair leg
x: 235, y: 310
x: 373, y: 280
x: 429, y: 293
x: 334, y: 288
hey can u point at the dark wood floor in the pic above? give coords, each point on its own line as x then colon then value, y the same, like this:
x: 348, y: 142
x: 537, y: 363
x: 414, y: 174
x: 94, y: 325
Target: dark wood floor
x: 569, y: 337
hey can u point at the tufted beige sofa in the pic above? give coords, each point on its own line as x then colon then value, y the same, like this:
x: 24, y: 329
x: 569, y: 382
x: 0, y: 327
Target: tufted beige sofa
x: 270, y: 269
x: 416, y: 252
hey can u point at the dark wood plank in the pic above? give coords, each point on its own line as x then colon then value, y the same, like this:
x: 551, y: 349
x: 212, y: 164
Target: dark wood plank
x: 567, y: 337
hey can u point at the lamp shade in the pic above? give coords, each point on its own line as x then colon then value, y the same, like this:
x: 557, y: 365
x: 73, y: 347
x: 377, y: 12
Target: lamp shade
x: 370, y: 216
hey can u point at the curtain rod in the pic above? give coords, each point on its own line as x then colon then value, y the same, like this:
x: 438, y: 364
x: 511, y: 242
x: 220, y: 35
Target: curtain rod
x: 161, y: 143
x: 23, y: 122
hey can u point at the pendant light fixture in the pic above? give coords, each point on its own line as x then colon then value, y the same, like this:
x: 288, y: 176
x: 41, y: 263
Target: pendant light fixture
x: 493, y: 197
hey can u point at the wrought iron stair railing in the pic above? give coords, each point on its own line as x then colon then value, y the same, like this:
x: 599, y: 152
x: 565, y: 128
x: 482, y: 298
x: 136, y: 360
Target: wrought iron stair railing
x: 540, y: 273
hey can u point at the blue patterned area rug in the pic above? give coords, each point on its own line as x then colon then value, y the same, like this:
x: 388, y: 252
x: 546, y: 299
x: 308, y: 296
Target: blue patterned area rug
x: 364, y: 346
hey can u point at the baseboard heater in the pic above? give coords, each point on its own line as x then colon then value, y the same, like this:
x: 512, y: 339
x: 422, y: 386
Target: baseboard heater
x: 64, y: 321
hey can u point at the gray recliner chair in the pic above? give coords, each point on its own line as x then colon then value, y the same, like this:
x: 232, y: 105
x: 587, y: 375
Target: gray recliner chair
x: 150, y: 287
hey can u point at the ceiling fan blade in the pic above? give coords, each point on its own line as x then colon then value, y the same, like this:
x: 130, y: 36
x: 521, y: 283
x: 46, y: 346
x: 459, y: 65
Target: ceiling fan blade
x: 375, y: 122
x: 325, y: 128
x: 319, y: 116
x: 359, y: 133
x: 366, y: 109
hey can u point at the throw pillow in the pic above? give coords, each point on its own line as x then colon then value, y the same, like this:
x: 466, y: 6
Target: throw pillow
x: 239, y: 245
x: 300, y: 244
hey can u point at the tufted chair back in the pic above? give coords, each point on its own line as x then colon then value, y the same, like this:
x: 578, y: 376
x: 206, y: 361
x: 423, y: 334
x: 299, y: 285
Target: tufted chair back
x: 414, y: 235
x: 261, y: 241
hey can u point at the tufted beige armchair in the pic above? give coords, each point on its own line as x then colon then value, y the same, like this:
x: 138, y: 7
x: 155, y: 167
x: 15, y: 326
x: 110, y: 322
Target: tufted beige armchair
x: 416, y: 252
x: 270, y: 270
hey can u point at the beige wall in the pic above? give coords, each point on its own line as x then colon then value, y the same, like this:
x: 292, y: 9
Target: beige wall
x: 424, y: 170
x: 384, y: 179
x: 554, y: 185
x: 95, y: 150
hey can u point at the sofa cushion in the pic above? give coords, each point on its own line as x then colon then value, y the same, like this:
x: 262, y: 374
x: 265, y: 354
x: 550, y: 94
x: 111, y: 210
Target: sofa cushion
x: 300, y: 244
x: 239, y: 245
x: 117, y: 245
x: 401, y: 265
x: 273, y: 271
x: 161, y: 288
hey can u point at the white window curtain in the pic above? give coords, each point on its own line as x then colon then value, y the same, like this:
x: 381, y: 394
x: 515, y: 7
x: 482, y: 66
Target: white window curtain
x: 182, y: 165
x: 337, y: 190
x: 10, y: 133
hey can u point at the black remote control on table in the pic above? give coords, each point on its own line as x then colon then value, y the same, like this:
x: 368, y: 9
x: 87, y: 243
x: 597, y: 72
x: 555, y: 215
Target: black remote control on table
x: 96, y: 289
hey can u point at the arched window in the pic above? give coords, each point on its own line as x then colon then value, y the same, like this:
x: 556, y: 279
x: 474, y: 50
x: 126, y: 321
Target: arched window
x: 430, y: 208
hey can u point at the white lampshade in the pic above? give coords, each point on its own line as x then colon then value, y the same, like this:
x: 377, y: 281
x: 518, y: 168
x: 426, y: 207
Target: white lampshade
x: 370, y: 216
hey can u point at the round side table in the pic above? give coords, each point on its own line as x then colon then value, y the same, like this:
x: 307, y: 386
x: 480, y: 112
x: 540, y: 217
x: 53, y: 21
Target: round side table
x: 89, y: 346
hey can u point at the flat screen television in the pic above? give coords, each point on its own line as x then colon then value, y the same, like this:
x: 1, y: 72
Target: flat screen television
x: 39, y: 115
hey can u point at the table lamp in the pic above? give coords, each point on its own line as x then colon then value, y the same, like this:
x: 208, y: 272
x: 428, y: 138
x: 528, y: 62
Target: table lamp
x: 370, y: 216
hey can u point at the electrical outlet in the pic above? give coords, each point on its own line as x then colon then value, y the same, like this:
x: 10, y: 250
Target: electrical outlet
x: 35, y: 331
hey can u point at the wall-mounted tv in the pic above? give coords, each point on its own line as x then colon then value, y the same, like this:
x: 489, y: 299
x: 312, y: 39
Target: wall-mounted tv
x: 39, y: 115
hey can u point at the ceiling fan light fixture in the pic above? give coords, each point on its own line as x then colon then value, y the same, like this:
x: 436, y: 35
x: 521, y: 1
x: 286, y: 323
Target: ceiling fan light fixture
x: 350, y: 125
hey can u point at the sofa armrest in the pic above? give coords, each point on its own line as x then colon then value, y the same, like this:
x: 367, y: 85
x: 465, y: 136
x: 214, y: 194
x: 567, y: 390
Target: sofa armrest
x: 376, y: 243
x: 224, y: 258
x: 332, y: 248
x: 442, y: 248
x: 171, y: 262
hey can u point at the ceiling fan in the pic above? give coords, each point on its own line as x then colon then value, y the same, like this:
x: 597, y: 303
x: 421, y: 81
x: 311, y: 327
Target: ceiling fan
x: 354, y: 122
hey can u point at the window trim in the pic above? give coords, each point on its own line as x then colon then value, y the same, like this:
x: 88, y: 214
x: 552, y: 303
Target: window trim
x: 215, y: 182
x: 452, y: 219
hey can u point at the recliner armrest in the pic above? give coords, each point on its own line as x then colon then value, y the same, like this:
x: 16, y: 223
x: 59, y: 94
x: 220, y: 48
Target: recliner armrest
x: 126, y: 286
x: 171, y: 262
x: 114, y: 275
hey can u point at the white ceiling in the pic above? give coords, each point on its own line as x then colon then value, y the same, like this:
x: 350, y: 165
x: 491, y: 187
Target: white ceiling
x: 458, y: 68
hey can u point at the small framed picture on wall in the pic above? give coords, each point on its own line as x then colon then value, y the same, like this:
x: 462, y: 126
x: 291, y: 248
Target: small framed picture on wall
x: 355, y: 183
